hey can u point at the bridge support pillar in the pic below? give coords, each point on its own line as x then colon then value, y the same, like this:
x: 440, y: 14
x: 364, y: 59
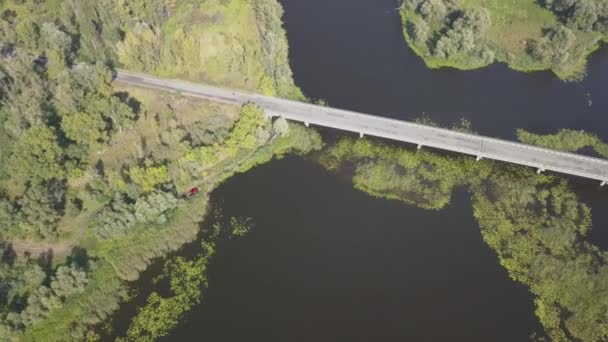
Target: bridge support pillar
x: 361, y: 135
x: 419, y: 146
x: 307, y: 124
x: 604, y: 183
x: 479, y: 158
x: 540, y: 170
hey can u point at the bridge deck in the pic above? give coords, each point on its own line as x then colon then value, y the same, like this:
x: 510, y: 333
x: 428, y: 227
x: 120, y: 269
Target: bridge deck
x: 475, y: 145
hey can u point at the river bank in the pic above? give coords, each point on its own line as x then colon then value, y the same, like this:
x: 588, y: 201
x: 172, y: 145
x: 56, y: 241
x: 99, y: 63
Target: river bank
x: 315, y: 238
x: 358, y: 77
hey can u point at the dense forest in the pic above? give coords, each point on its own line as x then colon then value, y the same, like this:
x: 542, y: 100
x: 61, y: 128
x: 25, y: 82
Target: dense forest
x: 535, y: 223
x: 93, y: 174
x: 526, y: 34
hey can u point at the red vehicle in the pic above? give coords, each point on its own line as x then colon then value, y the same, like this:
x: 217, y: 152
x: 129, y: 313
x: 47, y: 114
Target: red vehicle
x: 192, y: 192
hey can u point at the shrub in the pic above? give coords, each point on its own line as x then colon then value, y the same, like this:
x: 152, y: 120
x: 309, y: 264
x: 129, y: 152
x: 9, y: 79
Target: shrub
x: 114, y: 220
x: 40, y: 209
x: 464, y: 34
x: 149, y: 178
x: 432, y: 9
x: 419, y: 30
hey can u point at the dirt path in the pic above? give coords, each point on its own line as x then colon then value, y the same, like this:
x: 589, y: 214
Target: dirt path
x: 34, y: 249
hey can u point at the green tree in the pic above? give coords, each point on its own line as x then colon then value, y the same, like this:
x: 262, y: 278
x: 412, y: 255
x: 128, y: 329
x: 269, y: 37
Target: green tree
x: 17, y: 281
x: 432, y: 9
x: 152, y: 207
x: 140, y: 50
x: 584, y: 15
x: 68, y: 280
x: 81, y: 87
x: 37, y: 155
x: 87, y: 129
x: 244, y: 134
x: 464, y: 33
x: 155, y: 319
x: 58, y: 46
x: 111, y: 108
x: 420, y: 30
x: 96, y: 22
x: 114, y: 220
x: 27, y: 33
x: 24, y: 95
x: 40, y: 209
x: 39, y: 304
x: 7, y: 218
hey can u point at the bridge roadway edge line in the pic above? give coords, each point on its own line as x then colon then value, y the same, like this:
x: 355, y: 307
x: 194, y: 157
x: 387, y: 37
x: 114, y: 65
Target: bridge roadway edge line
x: 240, y: 97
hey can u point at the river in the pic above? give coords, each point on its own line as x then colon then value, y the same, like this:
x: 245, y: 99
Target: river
x: 352, y: 54
x: 326, y: 262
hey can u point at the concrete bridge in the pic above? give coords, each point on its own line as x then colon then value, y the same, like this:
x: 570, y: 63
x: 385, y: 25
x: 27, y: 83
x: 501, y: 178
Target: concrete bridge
x: 364, y: 124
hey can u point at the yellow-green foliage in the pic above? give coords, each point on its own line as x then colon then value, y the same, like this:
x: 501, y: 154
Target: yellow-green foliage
x: 247, y: 134
x: 537, y: 229
x: 37, y: 155
x: 535, y: 223
x: 566, y: 140
x: 419, y: 178
x: 131, y: 254
x: 244, y: 133
x: 185, y: 278
x: 140, y: 48
x: 84, y: 128
x: 550, y: 316
x: 149, y: 177
x: 238, y: 43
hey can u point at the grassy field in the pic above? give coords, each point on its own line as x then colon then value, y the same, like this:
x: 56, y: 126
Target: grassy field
x: 234, y: 43
x: 513, y: 22
x: 230, y: 45
x: 514, y: 25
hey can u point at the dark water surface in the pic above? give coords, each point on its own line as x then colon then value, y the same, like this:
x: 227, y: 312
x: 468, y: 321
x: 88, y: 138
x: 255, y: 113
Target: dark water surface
x: 352, y: 53
x: 328, y: 263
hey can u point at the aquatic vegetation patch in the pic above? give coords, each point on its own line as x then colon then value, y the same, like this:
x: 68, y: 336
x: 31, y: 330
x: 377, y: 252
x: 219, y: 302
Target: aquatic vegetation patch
x: 534, y: 223
x: 186, y: 280
x: 565, y: 140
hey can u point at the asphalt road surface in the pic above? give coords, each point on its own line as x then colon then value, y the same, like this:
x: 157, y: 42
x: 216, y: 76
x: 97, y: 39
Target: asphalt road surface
x: 366, y: 124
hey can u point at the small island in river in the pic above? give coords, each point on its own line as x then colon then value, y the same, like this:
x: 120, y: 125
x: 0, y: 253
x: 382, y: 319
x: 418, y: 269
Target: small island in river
x: 112, y: 224
x: 528, y: 35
